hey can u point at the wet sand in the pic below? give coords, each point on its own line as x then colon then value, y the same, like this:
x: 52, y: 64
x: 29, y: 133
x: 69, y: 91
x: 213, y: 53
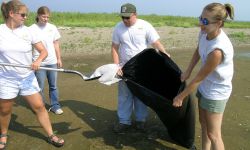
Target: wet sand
x: 90, y: 111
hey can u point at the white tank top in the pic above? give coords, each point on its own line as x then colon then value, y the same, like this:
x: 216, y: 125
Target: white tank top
x: 218, y: 84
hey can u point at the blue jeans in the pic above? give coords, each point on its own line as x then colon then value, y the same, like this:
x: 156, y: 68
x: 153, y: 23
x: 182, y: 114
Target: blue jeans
x: 127, y: 103
x: 52, y: 81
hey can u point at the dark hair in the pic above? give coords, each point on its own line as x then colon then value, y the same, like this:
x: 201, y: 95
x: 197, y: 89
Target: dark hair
x: 41, y: 11
x: 13, y: 5
x: 220, y: 11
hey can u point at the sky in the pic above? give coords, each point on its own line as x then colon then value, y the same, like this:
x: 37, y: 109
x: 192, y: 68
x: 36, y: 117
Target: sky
x: 190, y: 8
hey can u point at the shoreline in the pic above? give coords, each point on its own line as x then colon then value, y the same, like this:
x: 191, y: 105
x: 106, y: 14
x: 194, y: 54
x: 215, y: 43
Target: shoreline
x: 80, y: 55
x: 97, y: 41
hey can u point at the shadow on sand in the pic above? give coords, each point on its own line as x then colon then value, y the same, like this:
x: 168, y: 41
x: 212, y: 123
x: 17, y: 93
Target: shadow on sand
x: 101, y: 121
x: 60, y: 128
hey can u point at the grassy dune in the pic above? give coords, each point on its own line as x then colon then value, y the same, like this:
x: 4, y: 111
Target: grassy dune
x: 94, y: 20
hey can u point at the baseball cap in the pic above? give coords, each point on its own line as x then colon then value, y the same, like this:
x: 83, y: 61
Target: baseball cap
x: 127, y: 9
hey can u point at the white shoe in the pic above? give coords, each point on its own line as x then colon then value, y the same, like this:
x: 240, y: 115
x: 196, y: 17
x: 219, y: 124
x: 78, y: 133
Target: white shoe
x: 58, y: 111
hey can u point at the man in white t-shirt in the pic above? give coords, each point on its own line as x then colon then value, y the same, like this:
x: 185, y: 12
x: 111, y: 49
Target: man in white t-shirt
x: 131, y: 36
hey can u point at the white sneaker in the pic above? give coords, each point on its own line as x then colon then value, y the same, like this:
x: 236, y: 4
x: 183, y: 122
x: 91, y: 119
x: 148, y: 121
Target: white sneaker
x: 59, y: 111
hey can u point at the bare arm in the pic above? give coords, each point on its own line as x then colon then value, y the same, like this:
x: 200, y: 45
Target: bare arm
x: 213, y: 60
x: 115, y: 55
x: 58, y: 53
x: 157, y: 45
x: 192, y: 64
x: 43, y: 54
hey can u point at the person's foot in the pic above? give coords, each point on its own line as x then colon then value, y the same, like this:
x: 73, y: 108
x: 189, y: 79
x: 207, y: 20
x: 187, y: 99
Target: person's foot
x: 121, y: 128
x: 3, y: 141
x: 140, y: 126
x: 55, y: 140
x: 59, y: 111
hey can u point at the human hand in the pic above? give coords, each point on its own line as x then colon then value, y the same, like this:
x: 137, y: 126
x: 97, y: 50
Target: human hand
x: 177, y: 102
x: 163, y: 51
x: 167, y: 54
x: 184, y: 76
x: 59, y: 63
x: 119, y: 72
x: 35, y: 65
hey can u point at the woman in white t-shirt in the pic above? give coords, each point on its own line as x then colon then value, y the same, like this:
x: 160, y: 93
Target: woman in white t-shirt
x: 16, y: 41
x: 50, y: 38
x: 214, y: 79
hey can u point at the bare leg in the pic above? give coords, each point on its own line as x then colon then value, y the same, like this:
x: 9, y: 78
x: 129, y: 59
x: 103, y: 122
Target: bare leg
x: 214, y: 122
x: 206, y: 143
x: 5, y: 116
x: 36, y: 103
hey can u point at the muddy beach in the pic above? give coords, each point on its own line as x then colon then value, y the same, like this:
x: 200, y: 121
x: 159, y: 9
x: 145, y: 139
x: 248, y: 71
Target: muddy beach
x: 90, y: 107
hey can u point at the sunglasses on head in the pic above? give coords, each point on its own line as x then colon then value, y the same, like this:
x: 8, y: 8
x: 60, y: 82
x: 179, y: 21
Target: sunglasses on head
x: 22, y: 14
x: 205, y: 21
x: 125, y: 18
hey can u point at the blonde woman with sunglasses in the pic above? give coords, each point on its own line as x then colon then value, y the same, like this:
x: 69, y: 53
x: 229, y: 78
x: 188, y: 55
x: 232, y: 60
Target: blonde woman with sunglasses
x: 16, y: 42
x: 214, y: 79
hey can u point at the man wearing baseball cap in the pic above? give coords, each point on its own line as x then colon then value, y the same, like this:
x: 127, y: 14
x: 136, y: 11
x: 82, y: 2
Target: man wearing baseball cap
x: 130, y: 37
x: 127, y: 10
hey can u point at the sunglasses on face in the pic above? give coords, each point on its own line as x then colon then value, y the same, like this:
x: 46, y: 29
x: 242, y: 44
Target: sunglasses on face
x: 125, y: 18
x: 22, y: 14
x: 205, y: 21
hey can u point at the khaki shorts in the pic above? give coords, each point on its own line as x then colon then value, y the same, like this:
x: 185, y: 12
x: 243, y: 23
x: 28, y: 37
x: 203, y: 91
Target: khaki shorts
x: 215, y: 106
x: 9, y: 89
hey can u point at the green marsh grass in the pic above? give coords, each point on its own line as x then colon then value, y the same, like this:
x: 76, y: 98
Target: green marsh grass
x: 240, y: 36
x: 94, y: 20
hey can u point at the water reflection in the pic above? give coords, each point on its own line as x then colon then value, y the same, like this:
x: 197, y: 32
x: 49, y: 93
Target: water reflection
x: 242, y: 54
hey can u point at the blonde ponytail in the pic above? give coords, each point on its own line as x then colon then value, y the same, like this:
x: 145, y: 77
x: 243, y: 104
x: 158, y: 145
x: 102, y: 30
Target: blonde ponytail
x: 230, y: 11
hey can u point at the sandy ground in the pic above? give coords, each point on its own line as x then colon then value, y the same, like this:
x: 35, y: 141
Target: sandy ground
x: 90, y: 107
x: 87, y: 41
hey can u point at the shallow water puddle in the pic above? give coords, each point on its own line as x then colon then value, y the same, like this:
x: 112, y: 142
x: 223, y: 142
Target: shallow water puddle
x: 242, y: 55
